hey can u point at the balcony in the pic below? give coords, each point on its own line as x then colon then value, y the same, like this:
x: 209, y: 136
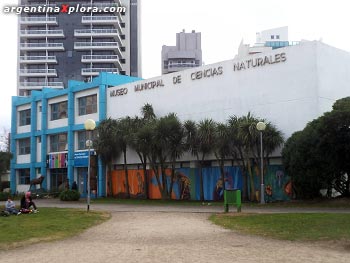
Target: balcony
x: 96, y: 46
x: 41, y: 33
x: 96, y: 71
x: 102, y: 59
x: 41, y: 46
x: 37, y: 59
x: 38, y: 20
x: 96, y: 32
x: 99, y: 20
x: 40, y: 85
x: 38, y: 72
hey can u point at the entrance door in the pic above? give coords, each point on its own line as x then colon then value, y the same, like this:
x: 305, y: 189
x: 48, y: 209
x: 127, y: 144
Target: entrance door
x: 82, y: 181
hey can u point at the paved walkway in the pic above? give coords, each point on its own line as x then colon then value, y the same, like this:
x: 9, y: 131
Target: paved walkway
x: 158, y: 234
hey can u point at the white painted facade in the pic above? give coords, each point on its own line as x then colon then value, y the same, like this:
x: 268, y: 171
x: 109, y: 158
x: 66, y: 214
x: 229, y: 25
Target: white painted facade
x: 301, y: 85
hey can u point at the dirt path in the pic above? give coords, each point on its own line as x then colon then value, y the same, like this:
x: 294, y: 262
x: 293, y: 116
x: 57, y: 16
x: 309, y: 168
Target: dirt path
x: 170, y: 237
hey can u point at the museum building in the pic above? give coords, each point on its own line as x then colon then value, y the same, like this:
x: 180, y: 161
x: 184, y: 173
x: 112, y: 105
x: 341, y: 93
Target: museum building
x: 288, y: 86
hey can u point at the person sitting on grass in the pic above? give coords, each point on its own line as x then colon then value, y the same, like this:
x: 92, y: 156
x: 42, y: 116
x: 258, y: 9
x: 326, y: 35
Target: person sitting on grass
x: 10, y: 206
x: 27, y: 202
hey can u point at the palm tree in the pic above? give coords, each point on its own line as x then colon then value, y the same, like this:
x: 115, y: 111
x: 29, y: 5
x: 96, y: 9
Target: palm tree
x: 206, y: 139
x: 176, y: 144
x: 125, y: 135
x: 107, y: 146
x: 222, y: 147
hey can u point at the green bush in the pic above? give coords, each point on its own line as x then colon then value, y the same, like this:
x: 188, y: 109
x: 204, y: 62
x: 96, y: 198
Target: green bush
x: 69, y: 195
x: 4, y: 196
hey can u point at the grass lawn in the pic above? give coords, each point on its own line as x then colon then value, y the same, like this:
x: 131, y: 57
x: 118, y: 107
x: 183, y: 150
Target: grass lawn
x: 291, y: 226
x: 49, y: 224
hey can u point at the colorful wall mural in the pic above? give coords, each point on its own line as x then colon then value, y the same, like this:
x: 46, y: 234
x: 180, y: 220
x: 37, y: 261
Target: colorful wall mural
x: 186, y: 184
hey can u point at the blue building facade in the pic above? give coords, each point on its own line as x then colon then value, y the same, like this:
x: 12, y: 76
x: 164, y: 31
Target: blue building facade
x: 48, y: 136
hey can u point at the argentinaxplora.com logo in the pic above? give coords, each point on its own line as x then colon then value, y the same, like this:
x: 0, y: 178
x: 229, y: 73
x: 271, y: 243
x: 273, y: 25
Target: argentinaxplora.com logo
x: 65, y: 8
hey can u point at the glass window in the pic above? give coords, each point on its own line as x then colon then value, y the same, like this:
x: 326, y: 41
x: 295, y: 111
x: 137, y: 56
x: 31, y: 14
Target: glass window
x: 24, y: 146
x: 83, y: 136
x: 24, y: 176
x: 24, y: 117
x: 58, y: 142
x: 277, y: 36
x: 272, y: 37
x: 87, y: 105
x: 59, y: 110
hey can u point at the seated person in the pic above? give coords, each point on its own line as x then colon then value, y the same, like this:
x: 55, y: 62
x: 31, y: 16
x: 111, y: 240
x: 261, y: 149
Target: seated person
x: 27, y: 202
x: 11, y: 207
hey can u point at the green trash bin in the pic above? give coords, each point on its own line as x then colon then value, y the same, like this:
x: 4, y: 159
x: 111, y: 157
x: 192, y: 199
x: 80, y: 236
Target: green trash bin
x: 232, y: 197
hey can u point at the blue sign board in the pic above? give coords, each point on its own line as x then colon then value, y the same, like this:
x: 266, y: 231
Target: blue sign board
x: 81, y: 159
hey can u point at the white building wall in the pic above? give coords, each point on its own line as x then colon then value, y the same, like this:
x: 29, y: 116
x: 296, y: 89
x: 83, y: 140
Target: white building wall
x: 334, y: 70
x: 38, y: 115
x: 289, y: 94
x: 265, y: 35
x: 38, y: 150
x: 23, y: 158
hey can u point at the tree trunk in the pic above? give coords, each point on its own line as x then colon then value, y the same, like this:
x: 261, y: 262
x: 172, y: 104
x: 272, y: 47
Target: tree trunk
x: 126, y: 177
x: 145, y: 172
x: 109, y: 179
x: 201, y: 189
x: 172, y: 178
x: 251, y: 179
x: 222, y: 171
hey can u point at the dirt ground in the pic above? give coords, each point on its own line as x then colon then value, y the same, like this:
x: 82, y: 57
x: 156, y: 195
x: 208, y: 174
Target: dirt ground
x: 161, y: 236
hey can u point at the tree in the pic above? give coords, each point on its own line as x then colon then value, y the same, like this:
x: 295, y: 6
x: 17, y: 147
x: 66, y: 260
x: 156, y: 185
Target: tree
x: 125, y: 128
x: 245, y: 145
x: 5, y: 159
x: 222, y: 147
x: 107, y: 146
x: 206, y: 139
x: 319, y: 156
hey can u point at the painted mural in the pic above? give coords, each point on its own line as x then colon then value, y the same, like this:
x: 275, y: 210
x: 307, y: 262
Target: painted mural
x: 57, y: 160
x: 186, y: 183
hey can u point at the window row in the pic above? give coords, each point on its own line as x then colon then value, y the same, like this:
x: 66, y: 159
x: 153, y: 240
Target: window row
x: 86, y: 105
x: 58, y: 142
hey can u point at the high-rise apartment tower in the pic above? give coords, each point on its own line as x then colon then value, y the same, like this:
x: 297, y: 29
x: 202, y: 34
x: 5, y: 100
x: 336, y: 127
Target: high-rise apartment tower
x: 61, y: 40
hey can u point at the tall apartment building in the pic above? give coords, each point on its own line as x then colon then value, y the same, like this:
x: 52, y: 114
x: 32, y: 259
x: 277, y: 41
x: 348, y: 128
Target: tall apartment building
x: 62, y: 40
x: 186, y: 54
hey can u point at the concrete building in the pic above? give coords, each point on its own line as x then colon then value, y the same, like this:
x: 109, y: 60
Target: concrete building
x: 266, y: 40
x: 288, y: 86
x: 186, y: 54
x: 60, y: 40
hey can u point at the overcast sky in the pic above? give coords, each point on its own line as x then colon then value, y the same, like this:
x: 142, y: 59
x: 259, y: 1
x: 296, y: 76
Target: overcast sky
x: 222, y: 23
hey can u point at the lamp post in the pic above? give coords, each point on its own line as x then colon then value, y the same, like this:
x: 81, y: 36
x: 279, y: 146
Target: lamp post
x: 261, y: 126
x: 89, y: 125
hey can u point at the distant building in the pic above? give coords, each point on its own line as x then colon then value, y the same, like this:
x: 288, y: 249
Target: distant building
x: 267, y: 40
x: 186, y: 54
x: 55, y: 46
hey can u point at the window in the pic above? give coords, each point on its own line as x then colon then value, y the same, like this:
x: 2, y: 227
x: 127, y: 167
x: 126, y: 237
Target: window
x: 87, y: 105
x: 277, y: 36
x: 58, y: 142
x: 24, y: 146
x: 59, y: 110
x: 24, y: 117
x: 83, y: 136
x: 272, y: 37
x: 24, y: 176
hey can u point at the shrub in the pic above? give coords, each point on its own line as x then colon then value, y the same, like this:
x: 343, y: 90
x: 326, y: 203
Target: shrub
x: 69, y: 195
x: 4, y: 196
